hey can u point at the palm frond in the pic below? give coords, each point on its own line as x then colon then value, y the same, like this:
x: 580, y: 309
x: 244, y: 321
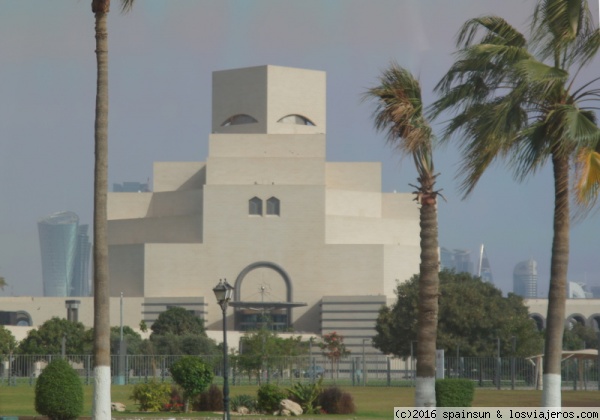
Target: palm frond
x: 495, y: 28
x: 587, y: 177
x: 563, y: 28
x: 536, y: 71
x: 532, y: 151
x: 580, y: 93
x: 579, y: 125
x: 126, y: 5
x: 583, y: 50
x: 399, y: 110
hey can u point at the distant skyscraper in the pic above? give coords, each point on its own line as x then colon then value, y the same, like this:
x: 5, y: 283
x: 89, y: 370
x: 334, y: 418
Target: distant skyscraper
x: 525, y: 279
x: 80, y: 285
x: 65, y: 250
x: 485, y: 269
x: 458, y: 260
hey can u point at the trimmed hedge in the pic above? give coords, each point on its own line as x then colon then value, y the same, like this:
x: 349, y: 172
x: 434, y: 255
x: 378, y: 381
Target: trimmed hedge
x: 59, y: 392
x: 454, y: 392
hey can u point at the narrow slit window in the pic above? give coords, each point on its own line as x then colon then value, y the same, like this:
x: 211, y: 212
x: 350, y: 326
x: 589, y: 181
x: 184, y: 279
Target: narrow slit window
x: 273, y: 206
x: 255, y: 206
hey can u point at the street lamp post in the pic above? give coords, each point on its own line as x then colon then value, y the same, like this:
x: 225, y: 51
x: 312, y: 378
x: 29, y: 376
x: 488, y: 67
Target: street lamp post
x: 512, y: 362
x: 364, y: 368
x: 224, y: 294
x: 498, y: 363
x: 412, y: 359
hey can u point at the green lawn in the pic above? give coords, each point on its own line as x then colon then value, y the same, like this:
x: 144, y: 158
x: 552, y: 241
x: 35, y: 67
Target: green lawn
x: 371, y: 402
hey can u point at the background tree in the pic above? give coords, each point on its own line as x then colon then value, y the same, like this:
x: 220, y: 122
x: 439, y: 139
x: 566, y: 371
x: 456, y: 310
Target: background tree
x: 143, y: 326
x: 399, y: 113
x: 171, y: 344
x: 580, y: 337
x: 179, y: 331
x: 192, y: 375
x: 257, y: 349
x: 102, y: 377
x: 522, y: 102
x: 47, y: 339
x: 2, y: 283
x: 473, y: 314
x: 333, y: 347
x: 8, y: 343
x: 260, y: 348
x: 178, y: 321
x: 131, y: 337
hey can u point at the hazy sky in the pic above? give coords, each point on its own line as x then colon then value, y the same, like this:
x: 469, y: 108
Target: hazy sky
x: 162, y: 55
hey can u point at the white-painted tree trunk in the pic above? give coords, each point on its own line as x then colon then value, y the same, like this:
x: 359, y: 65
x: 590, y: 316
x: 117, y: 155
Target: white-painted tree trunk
x: 551, y: 393
x: 101, y: 403
x: 425, y: 392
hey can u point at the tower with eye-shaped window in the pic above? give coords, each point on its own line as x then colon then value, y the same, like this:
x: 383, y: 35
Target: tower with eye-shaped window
x: 268, y: 100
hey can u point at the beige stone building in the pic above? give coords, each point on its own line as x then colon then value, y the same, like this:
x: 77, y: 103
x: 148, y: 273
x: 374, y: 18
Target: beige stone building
x: 267, y: 212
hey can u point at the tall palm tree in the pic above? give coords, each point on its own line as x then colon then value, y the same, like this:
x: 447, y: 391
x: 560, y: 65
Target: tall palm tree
x: 102, y: 377
x: 399, y: 113
x: 517, y: 100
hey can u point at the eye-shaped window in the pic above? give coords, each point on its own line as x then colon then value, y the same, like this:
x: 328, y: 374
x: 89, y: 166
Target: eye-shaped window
x: 296, y: 119
x: 238, y: 120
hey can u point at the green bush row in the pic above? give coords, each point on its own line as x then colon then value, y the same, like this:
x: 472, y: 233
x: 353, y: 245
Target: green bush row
x: 312, y: 397
x: 454, y: 392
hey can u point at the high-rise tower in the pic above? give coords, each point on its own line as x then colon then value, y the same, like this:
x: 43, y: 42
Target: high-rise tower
x: 525, y: 279
x: 65, y: 250
x: 485, y: 269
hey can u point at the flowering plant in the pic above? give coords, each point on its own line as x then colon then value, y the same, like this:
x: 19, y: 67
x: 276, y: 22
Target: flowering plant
x: 333, y: 346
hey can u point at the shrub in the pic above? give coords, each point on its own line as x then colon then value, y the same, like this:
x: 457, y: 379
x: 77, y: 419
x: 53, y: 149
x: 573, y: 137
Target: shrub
x: 454, y: 392
x: 269, y: 397
x: 307, y: 395
x: 153, y: 396
x: 243, y: 400
x: 346, y: 404
x: 175, y: 400
x: 211, y: 400
x: 192, y: 375
x: 333, y: 401
x: 59, y: 392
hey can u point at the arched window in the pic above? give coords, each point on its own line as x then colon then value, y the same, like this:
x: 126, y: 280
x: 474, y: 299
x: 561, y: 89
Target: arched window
x: 594, y: 322
x: 296, y: 119
x: 255, y: 206
x: 23, y: 319
x: 273, y: 206
x: 575, y: 319
x: 238, y: 120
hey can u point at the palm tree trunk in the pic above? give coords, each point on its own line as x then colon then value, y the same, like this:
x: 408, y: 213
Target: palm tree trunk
x: 427, y: 305
x: 102, y: 377
x: 557, y: 294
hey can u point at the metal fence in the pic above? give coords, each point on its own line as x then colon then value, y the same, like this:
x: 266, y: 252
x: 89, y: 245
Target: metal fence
x: 500, y: 373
